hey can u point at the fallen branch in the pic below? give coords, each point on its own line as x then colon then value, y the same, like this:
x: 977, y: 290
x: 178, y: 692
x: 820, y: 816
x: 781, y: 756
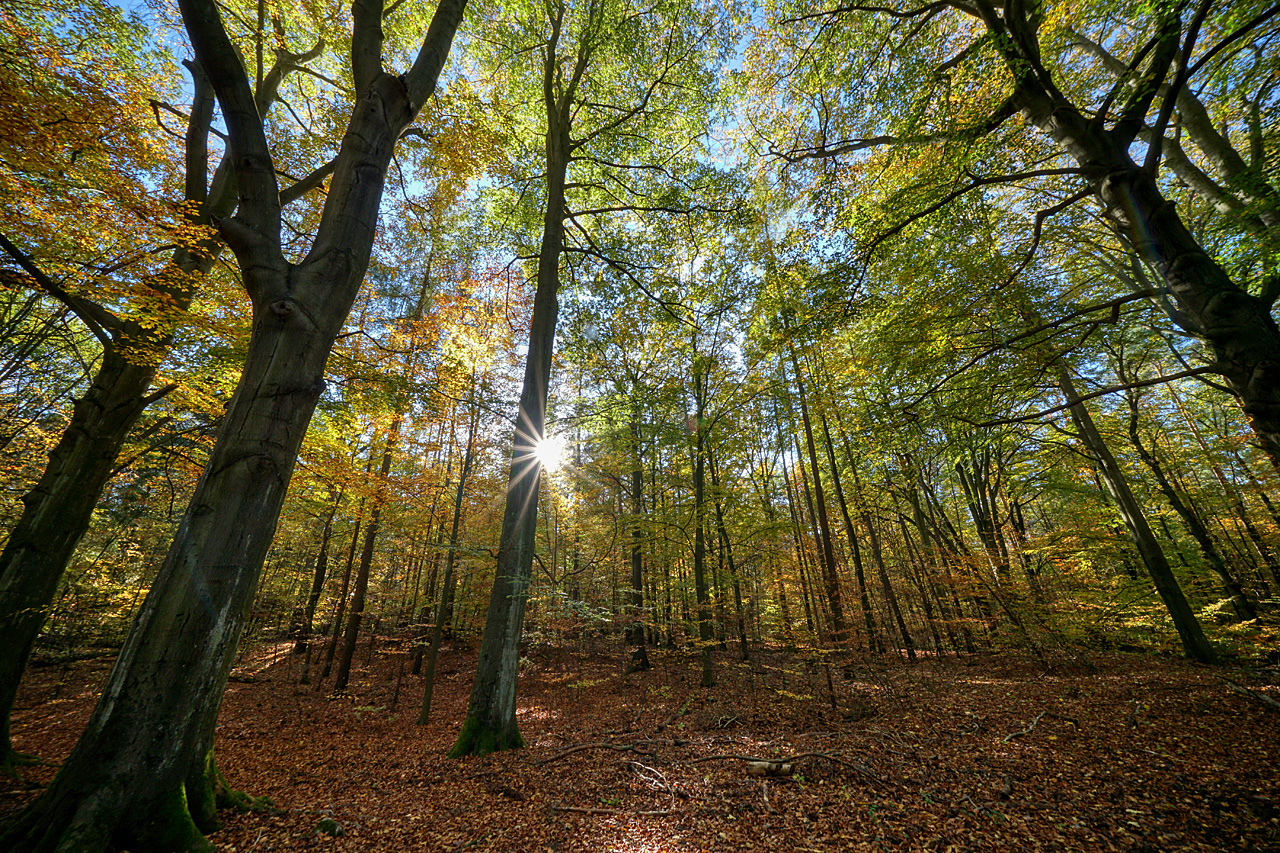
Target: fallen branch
x: 591, y: 810
x: 617, y: 747
x: 1254, y: 694
x: 1036, y: 722
x: 791, y: 759
x: 1028, y: 729
x: 764, y: 789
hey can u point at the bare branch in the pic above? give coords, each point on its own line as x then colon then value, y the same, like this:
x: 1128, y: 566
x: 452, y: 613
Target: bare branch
x: 1158, y: 380
x: 1001, y: 114
x: 305, y: 185
x: 858, y: 7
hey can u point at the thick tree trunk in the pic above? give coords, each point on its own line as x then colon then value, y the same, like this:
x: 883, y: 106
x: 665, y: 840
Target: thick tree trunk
x: 705, y: 635
x: 56, y: 514
x: 140, y: 775
x: 1184, y: 618
x: 1237, y: 326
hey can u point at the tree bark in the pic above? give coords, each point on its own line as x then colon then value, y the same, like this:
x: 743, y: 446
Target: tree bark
x: 1236, y: 326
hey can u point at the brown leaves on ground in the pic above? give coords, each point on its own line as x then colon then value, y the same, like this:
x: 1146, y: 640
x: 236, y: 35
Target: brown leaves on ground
x: 1127, y: 753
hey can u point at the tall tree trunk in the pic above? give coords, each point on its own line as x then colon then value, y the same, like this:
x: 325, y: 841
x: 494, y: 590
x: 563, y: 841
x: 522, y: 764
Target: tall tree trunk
x: 705, y: 635
x: 635, y: 634
x: 142, y: 776
x: 56, y: 513
x: 490, y: 724
x: 354, y: 618
x: 877, y: 557
x: 1208, y: 548
x: 826, y: 549
x: 859, y: 573
x: 728, y: 552
x: 301, y: 629
x: 335, y: 630
x: 1184, y: 618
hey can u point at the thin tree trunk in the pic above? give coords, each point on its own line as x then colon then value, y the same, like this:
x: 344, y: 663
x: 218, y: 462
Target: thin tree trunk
x: 1208, y: 549
x: 445, y: 613
x: 1184, y: 618
x: 356, y: 615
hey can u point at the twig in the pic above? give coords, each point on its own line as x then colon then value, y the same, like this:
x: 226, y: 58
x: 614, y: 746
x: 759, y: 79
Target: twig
x: 1072, y: 720
x: 1028, y: 729
x: 764, y: 789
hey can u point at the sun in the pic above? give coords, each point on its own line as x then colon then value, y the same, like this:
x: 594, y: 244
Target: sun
x: 550, y: 453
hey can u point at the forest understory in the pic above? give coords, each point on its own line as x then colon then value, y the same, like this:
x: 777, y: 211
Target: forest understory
x: 1102, y: 752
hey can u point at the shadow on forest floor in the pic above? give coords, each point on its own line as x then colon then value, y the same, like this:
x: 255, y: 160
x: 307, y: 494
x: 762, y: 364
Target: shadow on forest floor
x: 1125, y: 753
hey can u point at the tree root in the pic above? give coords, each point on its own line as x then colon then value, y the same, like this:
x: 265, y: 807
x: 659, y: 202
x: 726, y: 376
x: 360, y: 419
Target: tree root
x: 12, y: 760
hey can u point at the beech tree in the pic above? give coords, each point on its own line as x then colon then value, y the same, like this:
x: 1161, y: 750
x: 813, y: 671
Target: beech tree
x: 142, y: 775
x: 609, y: 82
x: 131, y: 307
x: 1109, y: 125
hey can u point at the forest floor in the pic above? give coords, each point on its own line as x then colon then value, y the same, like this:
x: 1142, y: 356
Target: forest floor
x: 1108, y: 752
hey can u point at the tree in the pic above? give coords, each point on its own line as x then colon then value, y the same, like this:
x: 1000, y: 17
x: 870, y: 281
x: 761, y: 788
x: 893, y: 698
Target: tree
x: 142, y: 775
x: 133, y: 340
x: 608, y: 76
x: 1015, y: 60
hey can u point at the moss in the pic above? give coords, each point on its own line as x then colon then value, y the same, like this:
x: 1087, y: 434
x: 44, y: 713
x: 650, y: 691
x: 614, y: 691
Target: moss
x: 477, y: 738
x: 168, y: 828
x: 229, y: 798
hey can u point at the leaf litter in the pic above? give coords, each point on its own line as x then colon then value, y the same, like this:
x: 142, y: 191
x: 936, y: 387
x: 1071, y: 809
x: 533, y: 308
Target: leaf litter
x: 1116, y: 753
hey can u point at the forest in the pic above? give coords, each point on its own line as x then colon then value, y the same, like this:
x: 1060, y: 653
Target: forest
x: 551, y: 425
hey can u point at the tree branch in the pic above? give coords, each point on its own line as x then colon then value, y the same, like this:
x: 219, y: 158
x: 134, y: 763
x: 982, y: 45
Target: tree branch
x: 1158, y: 380
x: 305, y: 185
x: 100, y: 321
x: 259, y: 207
